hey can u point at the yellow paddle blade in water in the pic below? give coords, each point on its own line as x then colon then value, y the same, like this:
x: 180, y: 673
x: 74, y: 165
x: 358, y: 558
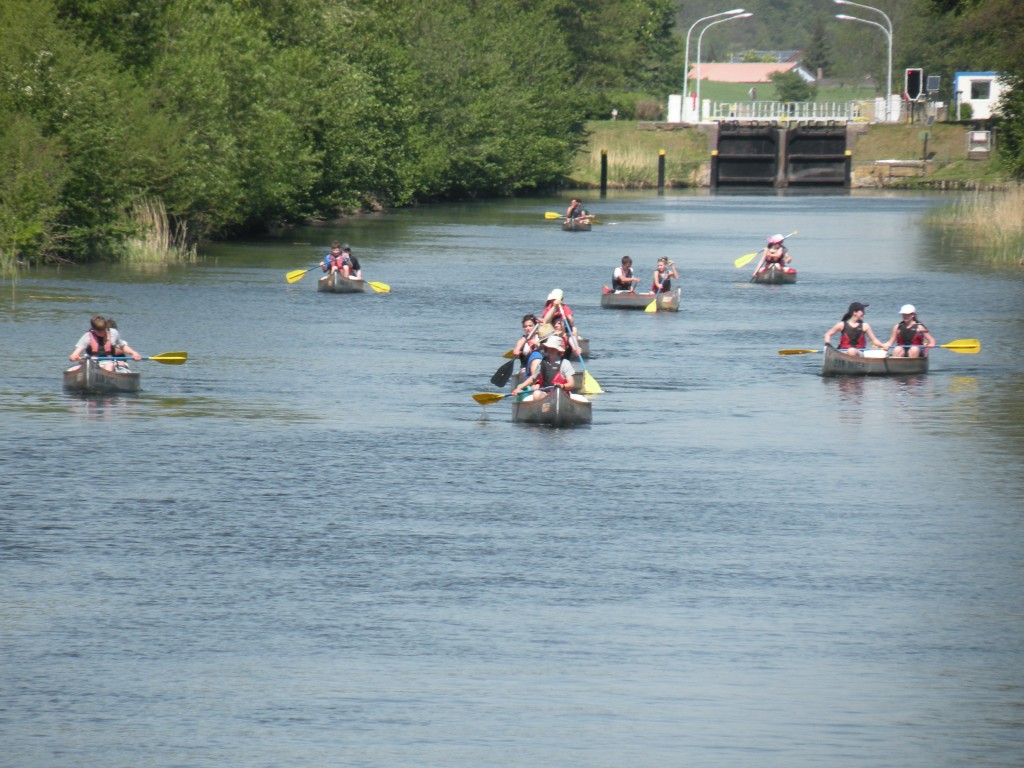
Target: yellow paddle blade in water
x: 798, y: 351
x: 489, y: 398
x: 379, y: 287
x: 590, y: 385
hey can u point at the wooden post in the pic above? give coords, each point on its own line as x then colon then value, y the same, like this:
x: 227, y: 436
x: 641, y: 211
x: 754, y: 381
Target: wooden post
x: 849, y: 167
x: 661, y: 171
x: 713, y: 180
x: 604, y: 173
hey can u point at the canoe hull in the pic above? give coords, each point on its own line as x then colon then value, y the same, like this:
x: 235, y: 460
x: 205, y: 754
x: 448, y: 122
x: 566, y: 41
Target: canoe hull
x: 91, y: 378
x: 570, y: 225
x: 555, y: 409
x: 775, y: 277
x: 668, y: 302
x: 338, y: 283
x: 837, y: 363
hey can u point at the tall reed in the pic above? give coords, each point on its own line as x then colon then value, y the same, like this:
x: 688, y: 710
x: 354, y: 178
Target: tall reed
x: 155, y: 240
x: 993, y: 220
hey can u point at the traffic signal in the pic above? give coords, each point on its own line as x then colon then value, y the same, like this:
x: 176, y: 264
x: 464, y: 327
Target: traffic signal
x: 913, y: 84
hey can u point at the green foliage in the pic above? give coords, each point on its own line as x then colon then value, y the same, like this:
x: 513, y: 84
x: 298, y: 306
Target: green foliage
x: 789, y: 86
x: 753, y: 57
x: 818, y: 55
x: 32, y: 175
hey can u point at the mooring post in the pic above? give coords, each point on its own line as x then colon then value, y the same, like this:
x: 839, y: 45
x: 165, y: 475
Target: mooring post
x: 713, y: 180
x: 604, y: 173
x: 661, y: 171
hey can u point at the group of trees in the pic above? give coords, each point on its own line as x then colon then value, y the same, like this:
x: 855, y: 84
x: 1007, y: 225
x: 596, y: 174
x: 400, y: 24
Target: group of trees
x: 238, y: 114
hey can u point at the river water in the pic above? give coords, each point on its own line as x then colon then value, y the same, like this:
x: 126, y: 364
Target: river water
x: 310, y: 547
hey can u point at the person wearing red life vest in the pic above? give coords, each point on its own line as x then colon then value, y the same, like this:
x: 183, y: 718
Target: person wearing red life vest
x: 554, y: 370
x: 910, y: 337
x: 102, y: 341
x: 853, y: 331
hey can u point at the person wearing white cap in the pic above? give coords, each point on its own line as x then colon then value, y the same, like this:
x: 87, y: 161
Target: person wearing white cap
x: 853, y: 331
x: 909, y: 336
x: 774, y: 256
x: 554, y: 370
x: 554, y: 307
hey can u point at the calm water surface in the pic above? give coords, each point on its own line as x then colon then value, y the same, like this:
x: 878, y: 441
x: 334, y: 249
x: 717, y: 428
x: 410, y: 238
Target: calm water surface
x: 310, y: 547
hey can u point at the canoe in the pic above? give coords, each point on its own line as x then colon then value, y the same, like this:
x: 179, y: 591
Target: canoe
x: 335, y: 282
x: 876, y: 362
x: 774, y: 277
x: 555, y: 409
x: 577, y: 380
x: 91, y: 377
x: 626, y: 300
x: 573, y: 225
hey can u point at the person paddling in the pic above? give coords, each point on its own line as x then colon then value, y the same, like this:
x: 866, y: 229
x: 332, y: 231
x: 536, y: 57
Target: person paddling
x: 102, y: 341
x: 623, y: 278
x: 774, y: 256
x: 662, y: 282
x: 853, y: 330
x: 910, y: 337
x: 554, y: 371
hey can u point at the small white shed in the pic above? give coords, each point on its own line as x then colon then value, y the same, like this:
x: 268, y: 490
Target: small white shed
x: 981, y: 90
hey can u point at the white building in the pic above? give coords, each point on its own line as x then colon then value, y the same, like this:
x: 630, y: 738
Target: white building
x: 981, y: 90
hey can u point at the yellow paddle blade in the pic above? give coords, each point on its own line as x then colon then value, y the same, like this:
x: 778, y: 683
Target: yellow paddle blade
x: 590, y: 385
x: 798, y: 351
x: 963, y: 346
x: 295, y: 275
x: 552, y: 215
x: 170, y: 358
x: 510, y: 354
x: 488, y: 398
x: 653, y: 306
x: 745, y: 259
x: 379, y: 287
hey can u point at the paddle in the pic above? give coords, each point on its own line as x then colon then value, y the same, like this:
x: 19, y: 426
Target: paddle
x: 379, y: 287
x: 297, y: 274
x: 742, y: 261
x: 167, y: 358
x: 590, y: 385
x: 503, y: 374
x: 553, y: 215
x: 962, y: 346
x: 489, y: 398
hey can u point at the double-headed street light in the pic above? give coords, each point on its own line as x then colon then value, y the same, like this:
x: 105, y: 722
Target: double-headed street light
x: 746, y: 15
x: 686, y: 56
x: 887, y: 29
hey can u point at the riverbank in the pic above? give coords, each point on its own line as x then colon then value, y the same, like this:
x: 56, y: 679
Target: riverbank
x: 890, y: 156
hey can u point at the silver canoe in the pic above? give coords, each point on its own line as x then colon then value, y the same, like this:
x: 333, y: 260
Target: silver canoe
x: 774, y: 277
x: 336, y: 282
x: 91, y: 377
x: 626, y: 300
x: 836, y: 363
x: 554, y: 409
x: 574, y: 225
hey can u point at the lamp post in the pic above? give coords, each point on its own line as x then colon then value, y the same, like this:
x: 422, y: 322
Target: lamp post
x: 887, y: 29
x: 700, y: 107
x: 686, y: 56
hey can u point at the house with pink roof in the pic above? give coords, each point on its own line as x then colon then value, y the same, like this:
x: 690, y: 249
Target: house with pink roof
x: 747, y: 72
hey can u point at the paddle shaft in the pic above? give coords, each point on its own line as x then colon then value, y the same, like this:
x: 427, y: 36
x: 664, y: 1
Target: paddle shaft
x: 579, y: 353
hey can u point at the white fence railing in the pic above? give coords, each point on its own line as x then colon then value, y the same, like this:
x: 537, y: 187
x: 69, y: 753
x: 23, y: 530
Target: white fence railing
x: 779, y: 111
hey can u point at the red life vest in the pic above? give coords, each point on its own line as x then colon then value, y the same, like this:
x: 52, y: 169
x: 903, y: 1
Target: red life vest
x: 909, y: 333
x: 853, y: 337
x: 98, y: 349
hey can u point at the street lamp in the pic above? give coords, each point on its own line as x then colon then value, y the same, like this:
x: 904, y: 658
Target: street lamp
x: 686, y: 56
x: 887, y: 29
x: 700, y: 107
